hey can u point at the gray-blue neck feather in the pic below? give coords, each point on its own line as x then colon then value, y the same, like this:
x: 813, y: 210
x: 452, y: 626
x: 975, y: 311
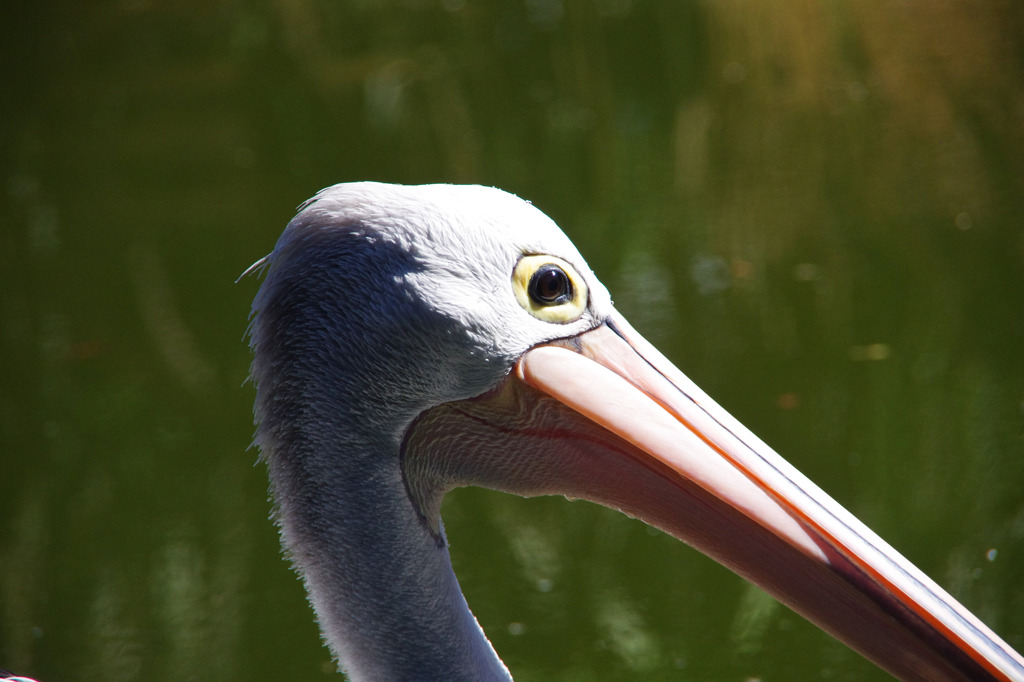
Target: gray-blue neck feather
x: 333, y: 316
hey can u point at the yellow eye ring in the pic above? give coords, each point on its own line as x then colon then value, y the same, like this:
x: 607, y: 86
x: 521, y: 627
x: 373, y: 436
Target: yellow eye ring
x: 549, y: 289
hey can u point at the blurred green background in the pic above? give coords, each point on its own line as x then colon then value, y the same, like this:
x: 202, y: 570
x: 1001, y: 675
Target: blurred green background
x: 816, y: 209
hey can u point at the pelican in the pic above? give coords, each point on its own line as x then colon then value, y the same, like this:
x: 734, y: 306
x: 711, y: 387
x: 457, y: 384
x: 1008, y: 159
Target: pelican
x: 409, y: 340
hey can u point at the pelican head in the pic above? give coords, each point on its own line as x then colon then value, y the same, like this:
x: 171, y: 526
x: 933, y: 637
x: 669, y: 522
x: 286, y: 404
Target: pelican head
x: 410, y: 340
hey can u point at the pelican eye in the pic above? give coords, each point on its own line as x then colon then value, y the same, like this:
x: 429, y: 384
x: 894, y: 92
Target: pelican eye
x: 549, y: 288
x: 549, y: 285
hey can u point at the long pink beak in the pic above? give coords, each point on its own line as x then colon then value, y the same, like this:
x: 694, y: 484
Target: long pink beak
x: 663, y: 451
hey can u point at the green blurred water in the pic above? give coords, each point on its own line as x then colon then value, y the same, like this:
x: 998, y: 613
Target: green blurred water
x: 815, y: 209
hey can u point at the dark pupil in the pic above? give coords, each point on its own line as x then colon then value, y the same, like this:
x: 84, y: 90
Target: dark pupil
x: 550, y: 286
